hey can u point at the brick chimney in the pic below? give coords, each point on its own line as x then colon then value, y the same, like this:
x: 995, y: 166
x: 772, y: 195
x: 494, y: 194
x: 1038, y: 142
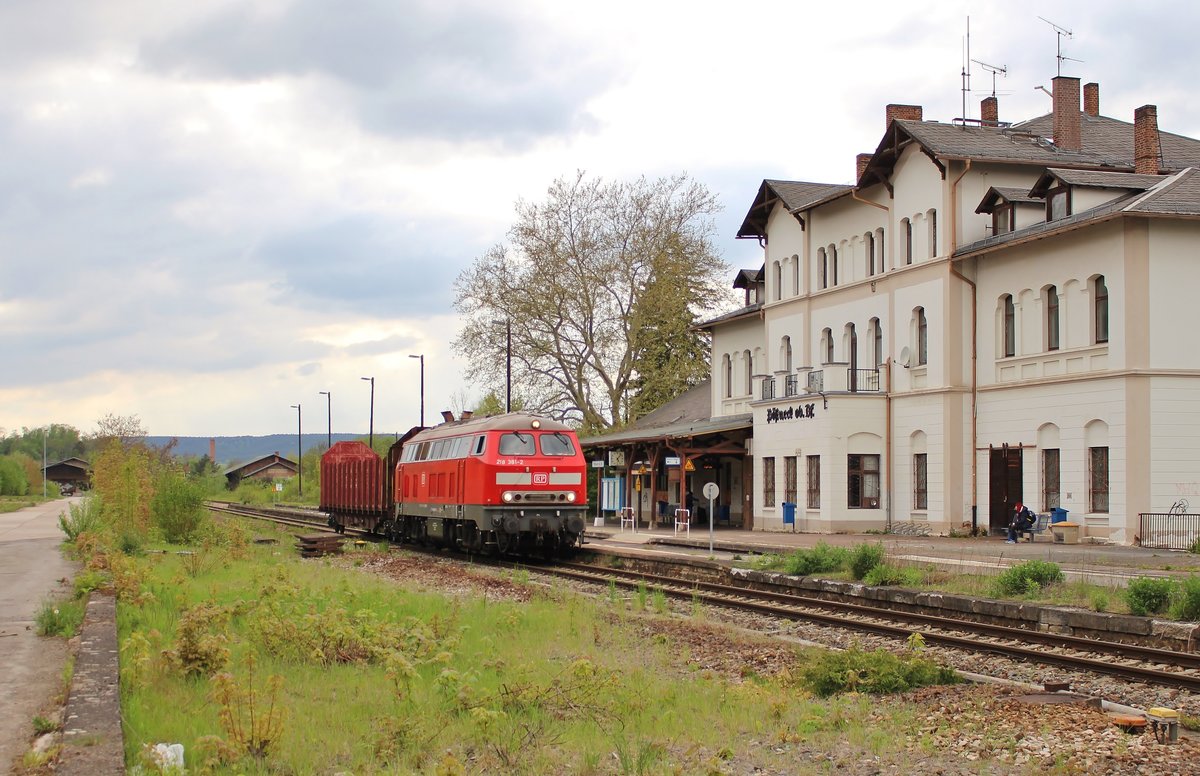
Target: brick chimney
x: 861, y: 161
x: 1067, y: 119
x: 212, y: 448
x: 1145, y: 140
x: 466, y: 414
x: 902, y: 112
x: 1091, y: 99
x: 447, y: 416
x: 989, y: 112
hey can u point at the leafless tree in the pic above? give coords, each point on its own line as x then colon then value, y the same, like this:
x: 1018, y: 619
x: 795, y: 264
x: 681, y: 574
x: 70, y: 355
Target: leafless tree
x: 570, y: 286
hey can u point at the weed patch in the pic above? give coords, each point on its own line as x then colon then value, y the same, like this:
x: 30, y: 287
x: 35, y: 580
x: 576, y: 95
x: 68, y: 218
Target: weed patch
x: 1148, y: 595
x: 1027, y: 578
x: 59, y: 618
x: 877, y: 673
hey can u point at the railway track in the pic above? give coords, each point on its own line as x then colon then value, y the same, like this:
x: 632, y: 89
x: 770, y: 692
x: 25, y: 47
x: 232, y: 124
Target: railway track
x: 1125, y: 661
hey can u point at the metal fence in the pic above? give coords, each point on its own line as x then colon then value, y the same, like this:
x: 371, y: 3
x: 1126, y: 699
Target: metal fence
x: 791, y: 386
x: 1168, y: 530
x: 863, y: 379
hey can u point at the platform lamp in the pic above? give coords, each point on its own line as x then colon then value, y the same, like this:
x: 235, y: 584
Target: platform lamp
x: 371, y: 429
x: 299, y: 449
x: 328, y: 428
x: 422, y: 358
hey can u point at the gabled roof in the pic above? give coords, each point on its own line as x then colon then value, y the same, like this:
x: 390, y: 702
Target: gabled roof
x: 997, y: 194
x: 1093, y: 179
x: 1173, y: 195
x: 747, y: 278
x: 73, y: 462
x: 251, y: 468
x: 1106, y: 144
x: 793, y: 195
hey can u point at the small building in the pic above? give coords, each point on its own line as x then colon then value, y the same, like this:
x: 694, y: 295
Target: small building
x: 71, y: 471
x: 267, y: 468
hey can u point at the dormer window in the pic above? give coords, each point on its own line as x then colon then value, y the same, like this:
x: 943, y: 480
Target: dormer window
x: 1058, y: 203
x: 1002, y: 219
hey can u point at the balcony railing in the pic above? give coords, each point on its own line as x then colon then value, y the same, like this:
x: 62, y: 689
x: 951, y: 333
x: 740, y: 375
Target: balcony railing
x: 791, y: 386
x: 768, y: 388
x: 816, y: 381
x: 862, y: 379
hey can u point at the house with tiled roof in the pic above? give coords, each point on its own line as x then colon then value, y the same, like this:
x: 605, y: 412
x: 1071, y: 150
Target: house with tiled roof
x: 993, y: 313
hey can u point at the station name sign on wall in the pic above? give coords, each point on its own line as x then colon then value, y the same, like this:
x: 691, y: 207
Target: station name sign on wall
x: 800, y: 411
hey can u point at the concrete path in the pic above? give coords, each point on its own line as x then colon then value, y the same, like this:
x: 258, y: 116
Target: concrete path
x: 32, y: 570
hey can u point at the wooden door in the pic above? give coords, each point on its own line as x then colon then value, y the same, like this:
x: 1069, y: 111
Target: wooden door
x: 1005, y: 479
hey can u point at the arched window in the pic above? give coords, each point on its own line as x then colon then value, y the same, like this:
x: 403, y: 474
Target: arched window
x: 785, y: 354
x: 833, y: 264
x: 1052, y: 329
x: 906, y: 227
x: 748, y: 362
x: 932, y: 219
x: 1100, y: 291
x: 877, y: 339
x: 922, y: 337
x: 777, y: 280
x: 827, y: 346
x: 822, y: 269
x: 879, y: 243
x: 795, y: 275
x: 869, y: 250
x: 727, y: 371
x: 1010, y: 326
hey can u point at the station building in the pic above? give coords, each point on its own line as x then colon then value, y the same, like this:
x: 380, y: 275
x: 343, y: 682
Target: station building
x: 994, y: 312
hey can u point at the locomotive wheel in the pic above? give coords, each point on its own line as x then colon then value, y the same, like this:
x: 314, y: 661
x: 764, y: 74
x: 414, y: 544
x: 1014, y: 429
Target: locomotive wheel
x: 504, y: 543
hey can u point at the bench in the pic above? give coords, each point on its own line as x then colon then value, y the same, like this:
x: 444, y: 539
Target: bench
x: 1039, y: 527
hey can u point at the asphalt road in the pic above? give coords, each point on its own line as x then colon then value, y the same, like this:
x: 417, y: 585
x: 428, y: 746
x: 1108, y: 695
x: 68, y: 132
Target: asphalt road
x: 32, y: 570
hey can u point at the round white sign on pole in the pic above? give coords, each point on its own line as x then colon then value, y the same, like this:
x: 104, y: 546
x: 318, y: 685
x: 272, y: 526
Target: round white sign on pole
x: 711, y: 491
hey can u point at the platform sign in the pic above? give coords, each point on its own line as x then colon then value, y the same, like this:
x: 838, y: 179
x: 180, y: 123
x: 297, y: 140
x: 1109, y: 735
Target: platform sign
x: 671, y: 460
x: 711, y: 491
x: 597, y: 464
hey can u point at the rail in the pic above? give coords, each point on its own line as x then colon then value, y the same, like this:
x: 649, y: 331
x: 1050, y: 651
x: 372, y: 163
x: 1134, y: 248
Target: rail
x: 1168, y: 530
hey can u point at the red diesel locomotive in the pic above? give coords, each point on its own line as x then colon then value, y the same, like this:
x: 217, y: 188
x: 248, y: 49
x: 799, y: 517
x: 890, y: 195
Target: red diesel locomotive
x: 507, y: 483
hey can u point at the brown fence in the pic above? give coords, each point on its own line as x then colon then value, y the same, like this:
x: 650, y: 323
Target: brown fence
x: 1168, y: 530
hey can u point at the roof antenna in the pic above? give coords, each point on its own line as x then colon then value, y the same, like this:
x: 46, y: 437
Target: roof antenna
x: 1060, y: 31
x: 993, y: 69
x: 966, y: 68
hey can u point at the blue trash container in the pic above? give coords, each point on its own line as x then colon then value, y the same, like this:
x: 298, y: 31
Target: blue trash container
x: 789, y: 513
x: 1058, y: 515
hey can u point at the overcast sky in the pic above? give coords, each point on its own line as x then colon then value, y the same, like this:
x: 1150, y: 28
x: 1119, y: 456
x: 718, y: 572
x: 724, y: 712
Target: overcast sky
x: 212, y: 211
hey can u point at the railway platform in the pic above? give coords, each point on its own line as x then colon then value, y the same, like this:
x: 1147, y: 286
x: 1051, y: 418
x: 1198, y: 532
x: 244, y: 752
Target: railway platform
x: 1099, y: 563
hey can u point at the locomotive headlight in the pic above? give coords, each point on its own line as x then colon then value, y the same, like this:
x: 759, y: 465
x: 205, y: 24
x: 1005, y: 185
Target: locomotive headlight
x: 536, y: 424
x: 508, y: 496
x: 571, y: 497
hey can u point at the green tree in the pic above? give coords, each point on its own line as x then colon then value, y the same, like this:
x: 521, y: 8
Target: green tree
x: 570, y: 286
x: 13, y: 481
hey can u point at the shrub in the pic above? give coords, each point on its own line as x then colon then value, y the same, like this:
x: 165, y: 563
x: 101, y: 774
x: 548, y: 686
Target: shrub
x: 87, y: 581
x: 1185, y: 604
x: 865, y: 557
x: 886, y: 574
x: 1148, y: 595
x: 82, y: 516
x: 177, y: 507
x: 878, y: 673
x: 821, y: 559
x: 1028, y: 577
x: 200, y: 641
x: 13, y: 481
x: 1195, y: 548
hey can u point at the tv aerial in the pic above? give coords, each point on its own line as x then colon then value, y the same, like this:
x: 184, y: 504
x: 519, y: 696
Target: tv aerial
x: 1002, y: 70
x: 1060, y: 31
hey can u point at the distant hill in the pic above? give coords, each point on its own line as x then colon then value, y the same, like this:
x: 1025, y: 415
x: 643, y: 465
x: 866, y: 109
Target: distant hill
x: 240, y: 449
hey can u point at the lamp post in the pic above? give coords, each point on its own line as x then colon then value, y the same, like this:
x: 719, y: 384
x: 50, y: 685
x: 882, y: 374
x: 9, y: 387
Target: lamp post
x: 422, y: 359
x: 329, y: 428
x: 371, y: 430
x: 299, y: 449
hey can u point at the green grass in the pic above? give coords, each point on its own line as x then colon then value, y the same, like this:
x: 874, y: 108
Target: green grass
x: 60, y: 618
x: 560, y: 684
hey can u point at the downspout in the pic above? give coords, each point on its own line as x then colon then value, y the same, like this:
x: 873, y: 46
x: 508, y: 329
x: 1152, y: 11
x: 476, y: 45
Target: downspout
x: 887, y: 442
x: 974, y: 348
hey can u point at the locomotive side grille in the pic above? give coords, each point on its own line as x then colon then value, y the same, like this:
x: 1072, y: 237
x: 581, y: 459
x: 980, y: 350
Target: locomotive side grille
x: 566, y: 478
x: 514, y: 478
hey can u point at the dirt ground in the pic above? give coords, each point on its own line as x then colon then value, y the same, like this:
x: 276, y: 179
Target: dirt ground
x: 32, y: 570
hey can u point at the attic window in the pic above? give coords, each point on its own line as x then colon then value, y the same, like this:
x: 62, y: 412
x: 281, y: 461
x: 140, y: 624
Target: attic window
x: 1058, y: 203
x: 1002, y: 219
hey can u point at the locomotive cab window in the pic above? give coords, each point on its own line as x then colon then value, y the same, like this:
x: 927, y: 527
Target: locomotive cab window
x: 516, y: 443
x: 557, y: 443
x: 480, y: 441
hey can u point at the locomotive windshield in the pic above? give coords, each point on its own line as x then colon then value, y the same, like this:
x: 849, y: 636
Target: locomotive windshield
x: 557, y: 444
x: 517, y: 443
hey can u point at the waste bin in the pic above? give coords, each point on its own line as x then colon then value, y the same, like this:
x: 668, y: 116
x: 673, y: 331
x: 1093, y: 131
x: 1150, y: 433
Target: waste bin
x: 1058, y: 515
x: 1065, y: 533
x: 789, y: 513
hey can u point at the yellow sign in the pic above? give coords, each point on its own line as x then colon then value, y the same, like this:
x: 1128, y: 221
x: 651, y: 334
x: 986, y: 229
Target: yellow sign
x: 637, y: 484
x: 689, y: 466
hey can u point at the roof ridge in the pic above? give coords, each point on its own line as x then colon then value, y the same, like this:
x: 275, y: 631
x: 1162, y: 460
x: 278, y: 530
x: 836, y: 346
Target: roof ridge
x: 1159, y: 188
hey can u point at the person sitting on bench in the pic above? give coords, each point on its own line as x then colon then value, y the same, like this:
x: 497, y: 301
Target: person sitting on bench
x: 1022, y: 520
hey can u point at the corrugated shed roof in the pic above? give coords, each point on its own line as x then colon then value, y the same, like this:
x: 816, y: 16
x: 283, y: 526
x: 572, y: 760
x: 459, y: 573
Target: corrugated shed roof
x: 687, y: 415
